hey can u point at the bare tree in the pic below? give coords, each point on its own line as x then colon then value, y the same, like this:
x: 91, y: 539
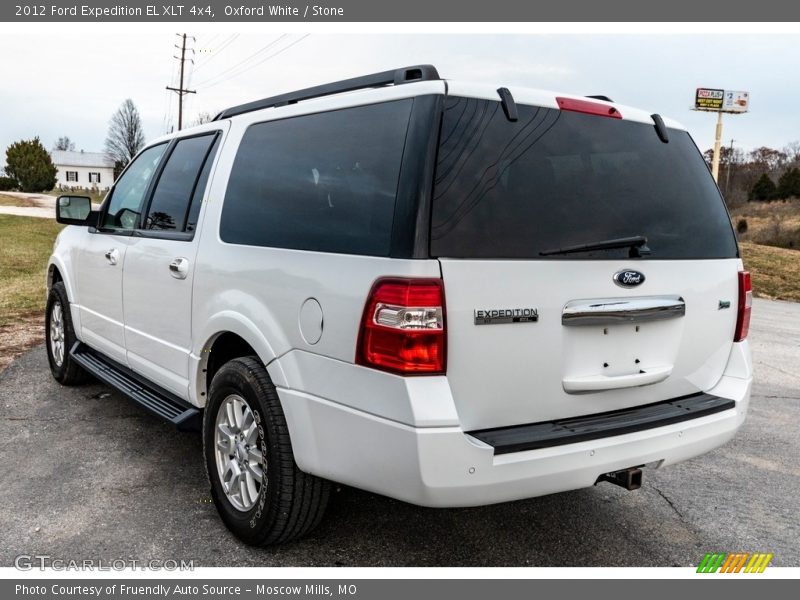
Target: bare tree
x: 203, y: 117
x: 125, y: 136
x: 64, y: 143
x: 792, y: 150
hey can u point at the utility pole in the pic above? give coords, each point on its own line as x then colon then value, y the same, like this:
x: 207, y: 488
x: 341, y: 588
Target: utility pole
x: 717, y: 145
x: 730, y: 165
x: 180, y: 90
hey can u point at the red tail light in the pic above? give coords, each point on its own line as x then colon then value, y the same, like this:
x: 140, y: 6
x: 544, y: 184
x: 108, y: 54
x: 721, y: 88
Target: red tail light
x: 588, y: 107
x: 403, y: 327
x: 745, y: 306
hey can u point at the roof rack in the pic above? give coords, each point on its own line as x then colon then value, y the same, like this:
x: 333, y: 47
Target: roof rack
x: 393, y: 77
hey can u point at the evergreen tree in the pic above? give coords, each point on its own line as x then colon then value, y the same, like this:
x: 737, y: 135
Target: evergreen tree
x: 789, y: 184
x: 30, y: 165
x: 764, y: 189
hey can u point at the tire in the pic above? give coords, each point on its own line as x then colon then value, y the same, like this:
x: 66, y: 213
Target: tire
x: 287, y: 503
x: 59, y: 334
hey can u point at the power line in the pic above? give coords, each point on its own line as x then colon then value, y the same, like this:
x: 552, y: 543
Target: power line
x: 217, y: 52
x: 241, y: 62
x: 180, y: 90
x: 262, y: 61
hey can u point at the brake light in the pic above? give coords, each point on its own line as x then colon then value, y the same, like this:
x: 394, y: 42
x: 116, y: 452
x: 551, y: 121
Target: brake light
x: 403, y: 327
x: 745, y: 307
x: 588, y: 107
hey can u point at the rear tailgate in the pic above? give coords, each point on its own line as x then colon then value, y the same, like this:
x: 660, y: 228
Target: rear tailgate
x: 512, y: 197
x: 519, y: 372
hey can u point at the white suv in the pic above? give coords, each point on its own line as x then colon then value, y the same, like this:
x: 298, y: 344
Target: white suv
x: 446, y: 293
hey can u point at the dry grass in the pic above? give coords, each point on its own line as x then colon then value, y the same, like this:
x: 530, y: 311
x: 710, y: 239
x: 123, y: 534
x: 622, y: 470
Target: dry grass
x: 14, y: 201
x: 774, y: 223
x: 775, y: 271
x: 25, y: 245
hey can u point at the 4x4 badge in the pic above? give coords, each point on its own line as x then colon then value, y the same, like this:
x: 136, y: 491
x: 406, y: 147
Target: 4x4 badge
x: 628, y: 278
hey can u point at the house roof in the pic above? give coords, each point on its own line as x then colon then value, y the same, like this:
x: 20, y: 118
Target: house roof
x: 68, y: 158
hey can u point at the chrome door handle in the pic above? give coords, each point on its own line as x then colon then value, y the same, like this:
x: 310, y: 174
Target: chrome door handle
x: 112, y: 256
x: 611, y: 311
x: 179, y: 268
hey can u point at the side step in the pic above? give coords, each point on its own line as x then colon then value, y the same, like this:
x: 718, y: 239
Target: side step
x: 152, y: 398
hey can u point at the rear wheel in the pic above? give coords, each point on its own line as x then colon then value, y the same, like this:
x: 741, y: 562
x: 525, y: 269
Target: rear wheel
x: 60, y: 337
x: 260, y: 493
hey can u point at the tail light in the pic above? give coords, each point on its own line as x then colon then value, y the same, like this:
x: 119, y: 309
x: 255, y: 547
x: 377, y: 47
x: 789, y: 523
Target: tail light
x: 403, y: 327
x: 745, y: 307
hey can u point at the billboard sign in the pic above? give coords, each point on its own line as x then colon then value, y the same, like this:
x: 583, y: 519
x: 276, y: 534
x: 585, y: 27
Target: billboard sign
x: 709, y: 99
x: 716, y: 100
x: 736, y: 101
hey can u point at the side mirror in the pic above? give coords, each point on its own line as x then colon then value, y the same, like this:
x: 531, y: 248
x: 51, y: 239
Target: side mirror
x: 75, y: 210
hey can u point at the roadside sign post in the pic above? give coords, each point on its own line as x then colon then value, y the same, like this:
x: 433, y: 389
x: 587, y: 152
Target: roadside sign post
x: 720, y: 101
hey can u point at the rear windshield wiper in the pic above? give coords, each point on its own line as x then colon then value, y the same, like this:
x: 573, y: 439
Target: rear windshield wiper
x: 637, y: 244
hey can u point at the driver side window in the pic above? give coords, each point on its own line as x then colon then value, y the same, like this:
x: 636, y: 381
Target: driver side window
x: 128, y: 196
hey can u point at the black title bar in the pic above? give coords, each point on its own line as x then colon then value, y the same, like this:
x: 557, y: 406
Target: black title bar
x: 401, y: 11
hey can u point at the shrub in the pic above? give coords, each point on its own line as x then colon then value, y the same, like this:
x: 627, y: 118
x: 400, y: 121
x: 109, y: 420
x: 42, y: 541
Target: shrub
x: 7, y: 184
x: 741, y: 226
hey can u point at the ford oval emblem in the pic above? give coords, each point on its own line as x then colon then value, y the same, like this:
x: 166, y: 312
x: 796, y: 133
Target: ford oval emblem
x: 628, y: 278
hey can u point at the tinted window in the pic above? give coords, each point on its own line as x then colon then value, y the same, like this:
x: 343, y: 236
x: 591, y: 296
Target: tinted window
x: 169, y: 207
x: 556, y: 178
x: 126, y: 201
x: 323, y: 182
x: 200, y: 188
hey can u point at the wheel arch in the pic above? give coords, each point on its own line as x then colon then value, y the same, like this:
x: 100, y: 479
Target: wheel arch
x: 233, y: 336
x: 57, y: 271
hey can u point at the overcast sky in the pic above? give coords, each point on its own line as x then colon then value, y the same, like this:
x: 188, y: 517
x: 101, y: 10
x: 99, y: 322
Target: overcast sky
x: 71, y: 84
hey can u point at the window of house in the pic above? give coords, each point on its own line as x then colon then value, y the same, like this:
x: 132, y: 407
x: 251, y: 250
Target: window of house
x: 72, y: 176
x: 94, y: 177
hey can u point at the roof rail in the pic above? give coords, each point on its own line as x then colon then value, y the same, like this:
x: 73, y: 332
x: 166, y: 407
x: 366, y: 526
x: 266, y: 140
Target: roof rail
x: 393, y: 77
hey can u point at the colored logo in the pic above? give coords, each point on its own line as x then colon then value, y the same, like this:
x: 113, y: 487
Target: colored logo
x: 737, y: 562
x: 628, y: 278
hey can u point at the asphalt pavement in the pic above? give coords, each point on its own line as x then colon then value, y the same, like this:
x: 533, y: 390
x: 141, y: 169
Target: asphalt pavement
x: 88, y: 474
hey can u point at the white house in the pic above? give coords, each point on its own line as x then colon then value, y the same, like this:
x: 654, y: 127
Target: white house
x: 83, y: 169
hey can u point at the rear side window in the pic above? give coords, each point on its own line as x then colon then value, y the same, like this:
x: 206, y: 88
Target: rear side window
x: 555, y: 179
x: 175, y: 195
x: 324, y: 182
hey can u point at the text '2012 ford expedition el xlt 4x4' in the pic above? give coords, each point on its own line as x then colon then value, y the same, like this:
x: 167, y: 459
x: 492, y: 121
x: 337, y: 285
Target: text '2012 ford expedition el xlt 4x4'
x: 447, y: 293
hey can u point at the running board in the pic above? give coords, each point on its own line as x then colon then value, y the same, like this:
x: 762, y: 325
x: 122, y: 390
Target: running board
x: 153, y: 399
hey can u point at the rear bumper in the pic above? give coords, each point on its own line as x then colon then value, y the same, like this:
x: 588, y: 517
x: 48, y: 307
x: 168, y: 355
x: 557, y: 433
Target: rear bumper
x: 446, y: 467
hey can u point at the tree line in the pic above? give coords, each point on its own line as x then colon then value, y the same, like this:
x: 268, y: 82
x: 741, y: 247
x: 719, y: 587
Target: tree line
x: 761, y: 174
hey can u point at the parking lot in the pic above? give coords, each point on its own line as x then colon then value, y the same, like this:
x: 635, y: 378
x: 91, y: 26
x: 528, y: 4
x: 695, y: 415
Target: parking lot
x: 87, y: 474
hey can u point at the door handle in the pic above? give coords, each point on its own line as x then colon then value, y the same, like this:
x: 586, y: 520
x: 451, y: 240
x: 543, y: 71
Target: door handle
x: 112, y: 256
x: 179, y: 268
x: 598, y: 383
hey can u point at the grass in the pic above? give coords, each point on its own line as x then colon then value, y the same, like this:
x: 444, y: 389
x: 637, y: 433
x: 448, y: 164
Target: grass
x: 14, y: 201
x: 25, y: 245
x: 775, y: 223
x: 775, y: 271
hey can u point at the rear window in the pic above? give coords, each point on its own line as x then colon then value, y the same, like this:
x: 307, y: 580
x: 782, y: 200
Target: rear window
x: 324, y: 182
x: 555, y: 179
